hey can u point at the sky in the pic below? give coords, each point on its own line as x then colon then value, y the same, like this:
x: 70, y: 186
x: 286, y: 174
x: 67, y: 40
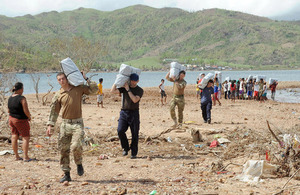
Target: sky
x: 275, y: 9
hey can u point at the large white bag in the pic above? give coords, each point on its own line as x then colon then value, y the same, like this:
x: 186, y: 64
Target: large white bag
x: 175, y: 69
x: 205, y: 80
x: 73, y: 74
x: 219, y: 76
x: 228, y: 79
x: 258, y: 77
x: 124, y: 74
x: 128, y: 70
x: 249, y: 78
x: 272, y: 80
x: 254, y: 169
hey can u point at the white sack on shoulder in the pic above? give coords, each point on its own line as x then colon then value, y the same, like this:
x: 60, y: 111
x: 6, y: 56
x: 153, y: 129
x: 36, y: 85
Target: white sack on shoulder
x: 249, y: 78
x: 121, y: 80
x: 128, y: 70
x: 205, y: 80
x: 124, y: 74
x: 272, y: 80
x: 73, y: 74
x: 175, y: 68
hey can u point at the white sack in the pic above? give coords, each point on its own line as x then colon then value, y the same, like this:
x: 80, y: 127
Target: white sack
x: 219, y: 76
x: 228, y: 79
x: 258, y: 77
x: 272, y: 80
x: 253, y: 169
x: 128, y: 70
x: 73, y: 74
x: 205, y: 80
x: 199, y: 77
x: 121, y: 80
x: 124, y: 74
x: 175, y: 69
x: 249, y: 78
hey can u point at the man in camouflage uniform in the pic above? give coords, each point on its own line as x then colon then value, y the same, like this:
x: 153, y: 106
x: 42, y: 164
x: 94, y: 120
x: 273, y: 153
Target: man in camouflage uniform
x: 178, y: 97
x: 69, y: 100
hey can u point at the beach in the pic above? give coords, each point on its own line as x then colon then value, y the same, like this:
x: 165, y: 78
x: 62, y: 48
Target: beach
x: 168, y: 159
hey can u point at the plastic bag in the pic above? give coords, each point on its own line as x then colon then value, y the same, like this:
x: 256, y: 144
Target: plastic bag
x: 72, y: 73
x: 205, y: 80
x: 175, y: 68
x: 272, y: 80
x: 124, y: 74
x: 254, y: 169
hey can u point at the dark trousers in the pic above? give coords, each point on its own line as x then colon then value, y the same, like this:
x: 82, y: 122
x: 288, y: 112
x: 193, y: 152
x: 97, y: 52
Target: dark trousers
x: 226, y: 92
x: 129, y: 118
x: 206, y: 110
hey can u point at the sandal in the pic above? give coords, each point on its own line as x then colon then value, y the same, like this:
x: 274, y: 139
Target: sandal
x: 19, y: 159
x: 31, y: 159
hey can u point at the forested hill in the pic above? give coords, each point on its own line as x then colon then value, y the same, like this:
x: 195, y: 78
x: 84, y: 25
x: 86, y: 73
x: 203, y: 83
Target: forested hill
x: 140, y: 31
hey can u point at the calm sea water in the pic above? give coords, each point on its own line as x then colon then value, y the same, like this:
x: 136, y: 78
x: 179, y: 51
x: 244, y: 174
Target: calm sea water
x: 152, y: 79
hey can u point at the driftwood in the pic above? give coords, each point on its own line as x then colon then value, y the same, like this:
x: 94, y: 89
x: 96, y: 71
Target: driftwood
x: 273, y: 134
x: 283, y: 187
x: 4, y: 138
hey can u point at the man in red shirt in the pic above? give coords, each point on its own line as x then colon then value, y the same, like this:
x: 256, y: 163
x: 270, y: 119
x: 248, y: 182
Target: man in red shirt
x: 273, y: 89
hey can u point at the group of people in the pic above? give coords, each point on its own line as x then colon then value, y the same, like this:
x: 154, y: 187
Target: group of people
x: 250, y: 89
x: 68, y: 101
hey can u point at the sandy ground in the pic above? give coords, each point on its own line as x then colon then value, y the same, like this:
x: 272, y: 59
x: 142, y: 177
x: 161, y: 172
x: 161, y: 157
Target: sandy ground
x: 171, y: 163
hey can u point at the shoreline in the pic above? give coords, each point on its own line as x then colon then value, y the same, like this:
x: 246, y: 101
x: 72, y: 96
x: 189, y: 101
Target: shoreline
x: 281, y: 86
x: 160, y: 70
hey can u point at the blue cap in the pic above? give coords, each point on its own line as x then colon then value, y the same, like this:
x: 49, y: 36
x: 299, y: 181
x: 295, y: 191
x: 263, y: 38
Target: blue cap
x: 134, y: 77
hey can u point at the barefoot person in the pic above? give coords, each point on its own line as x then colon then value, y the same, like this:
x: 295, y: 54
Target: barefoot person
x: 163, y: 94
x: 129, y: 115
x: 100, y: 93
x: 69, y: 100
x: 178, y: 97
x: 19, y: 117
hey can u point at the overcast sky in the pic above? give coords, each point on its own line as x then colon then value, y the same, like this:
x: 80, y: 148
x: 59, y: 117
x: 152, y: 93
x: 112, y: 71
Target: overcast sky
x: 286, y: 9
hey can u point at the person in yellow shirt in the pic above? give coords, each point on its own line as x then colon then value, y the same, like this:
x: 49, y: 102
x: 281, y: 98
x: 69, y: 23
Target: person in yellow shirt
x: 100, y: 93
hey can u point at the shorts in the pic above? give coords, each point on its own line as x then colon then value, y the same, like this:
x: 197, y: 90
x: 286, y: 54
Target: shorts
x: 19, y: 127
x: 241, y: 92
x: 99, y: 98
x: 198, y: 92
x: 163, y: 94
x: 249, y: 93
x: 255, y: 94
x: 264, y: 95
x: 216, y: 96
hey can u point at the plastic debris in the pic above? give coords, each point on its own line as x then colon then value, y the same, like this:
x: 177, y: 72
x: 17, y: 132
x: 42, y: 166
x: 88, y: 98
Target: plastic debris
x: 214, y: 144
x: 254, y: 169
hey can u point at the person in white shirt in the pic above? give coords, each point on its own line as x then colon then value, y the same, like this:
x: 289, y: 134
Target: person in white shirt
x: 163, y: 94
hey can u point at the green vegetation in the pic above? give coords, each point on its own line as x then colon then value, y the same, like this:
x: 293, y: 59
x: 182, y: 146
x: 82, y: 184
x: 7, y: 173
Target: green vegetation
x: 143, y: 36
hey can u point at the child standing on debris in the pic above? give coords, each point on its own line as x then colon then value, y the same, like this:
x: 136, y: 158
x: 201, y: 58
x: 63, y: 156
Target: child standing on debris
x: 206, y: 102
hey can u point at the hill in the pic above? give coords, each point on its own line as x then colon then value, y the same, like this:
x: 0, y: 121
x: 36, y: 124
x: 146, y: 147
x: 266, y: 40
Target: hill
x: 209, y: 36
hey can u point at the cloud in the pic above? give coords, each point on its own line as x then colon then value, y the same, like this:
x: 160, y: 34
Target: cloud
x: 268, y: 8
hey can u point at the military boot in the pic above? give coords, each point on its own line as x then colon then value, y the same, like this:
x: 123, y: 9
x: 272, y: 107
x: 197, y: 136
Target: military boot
x: 66, y: 177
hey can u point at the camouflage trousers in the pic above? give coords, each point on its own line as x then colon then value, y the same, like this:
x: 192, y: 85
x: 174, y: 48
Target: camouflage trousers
x: 71, y: 137
x: 178, y: 100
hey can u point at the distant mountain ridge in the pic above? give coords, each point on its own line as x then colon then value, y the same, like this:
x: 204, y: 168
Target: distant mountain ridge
x: 140, y: 31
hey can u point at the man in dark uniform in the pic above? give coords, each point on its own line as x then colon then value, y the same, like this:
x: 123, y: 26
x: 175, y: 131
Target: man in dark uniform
x: 129, y: 115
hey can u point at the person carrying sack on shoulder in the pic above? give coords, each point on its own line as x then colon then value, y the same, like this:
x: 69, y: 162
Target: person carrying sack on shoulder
x: 178, y: 97
x: 69, y: 100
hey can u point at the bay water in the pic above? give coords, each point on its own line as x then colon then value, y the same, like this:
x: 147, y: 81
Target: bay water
x: 152, y: 79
